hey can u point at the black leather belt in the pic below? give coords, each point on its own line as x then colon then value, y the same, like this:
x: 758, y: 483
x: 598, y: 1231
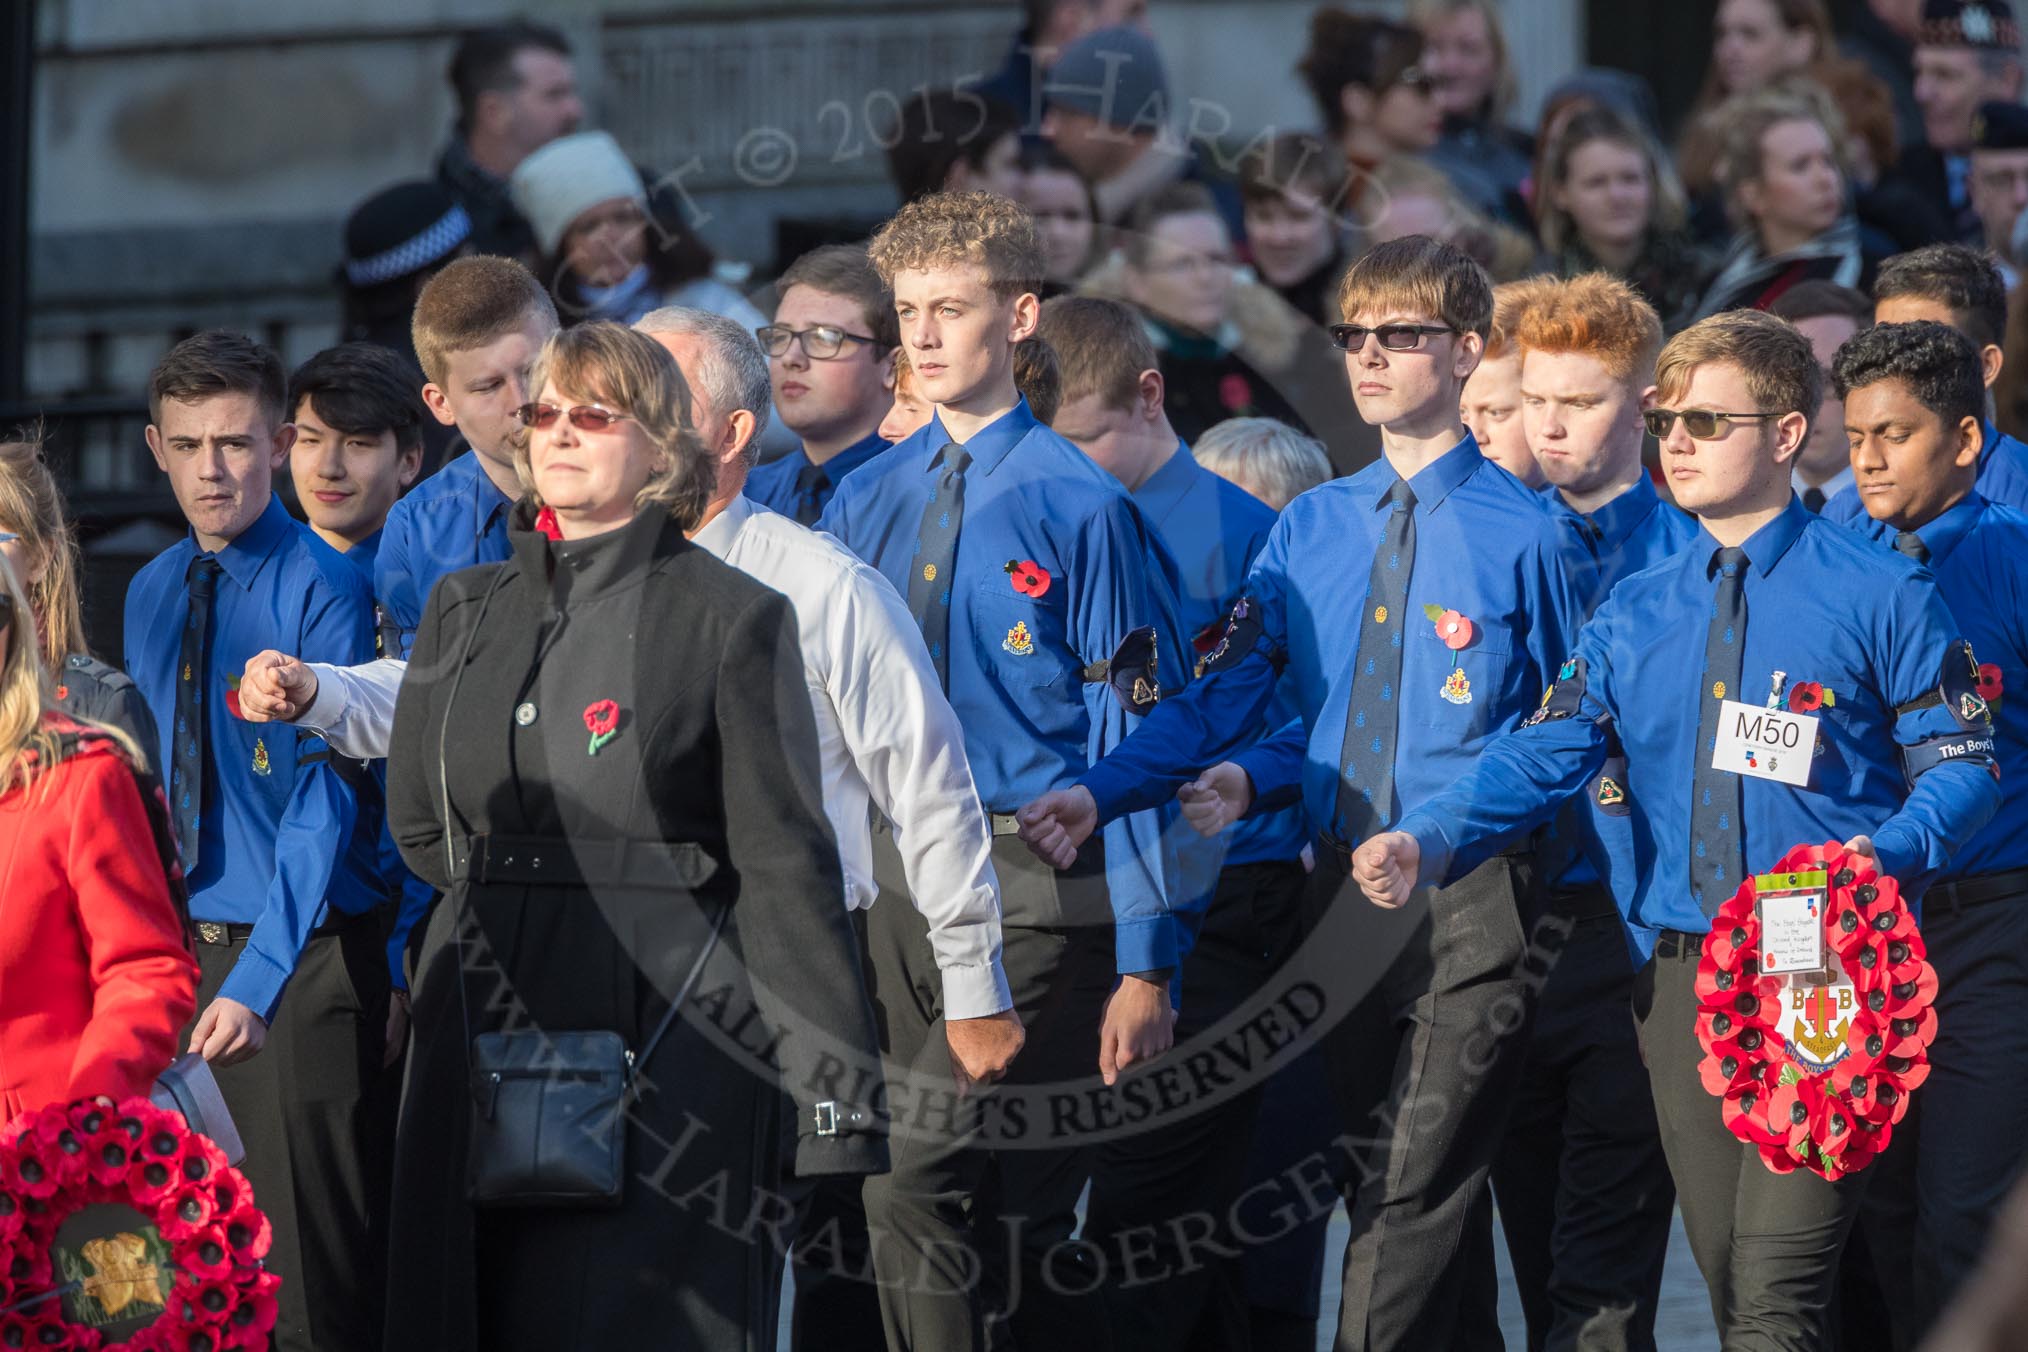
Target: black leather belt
x: 1979, y: 889
x: 552, y: 861
x: 1679, y: 945
x: 222, y: 933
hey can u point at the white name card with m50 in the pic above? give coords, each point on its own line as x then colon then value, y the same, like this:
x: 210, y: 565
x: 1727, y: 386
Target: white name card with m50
x: 1765, y: 743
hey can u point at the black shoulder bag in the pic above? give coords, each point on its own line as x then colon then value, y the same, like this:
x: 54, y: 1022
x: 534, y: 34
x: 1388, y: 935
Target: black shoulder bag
x: 549, y: 1109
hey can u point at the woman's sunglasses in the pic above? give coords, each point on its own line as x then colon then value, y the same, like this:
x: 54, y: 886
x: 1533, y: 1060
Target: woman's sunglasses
x: 584, y: 417
x: 1701, y: 423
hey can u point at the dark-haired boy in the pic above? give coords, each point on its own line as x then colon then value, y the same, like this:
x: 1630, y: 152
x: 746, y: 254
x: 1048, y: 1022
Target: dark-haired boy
x: 1914, y: 414
x: 1957, y: 285
x: 831, y: 350
x: 516, y: 89
x: 359, y: 443
x: 1027, y: 568
x: 1769, y: 605
x: 359, y: 425
x: 1417, y: 609
x: 282, y: 863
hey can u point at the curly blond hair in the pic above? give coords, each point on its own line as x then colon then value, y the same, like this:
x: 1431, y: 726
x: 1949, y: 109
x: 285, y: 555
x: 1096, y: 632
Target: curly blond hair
x: 945, y: 228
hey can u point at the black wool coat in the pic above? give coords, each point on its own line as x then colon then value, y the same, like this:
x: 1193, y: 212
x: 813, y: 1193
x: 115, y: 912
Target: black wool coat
x: 712, y: 749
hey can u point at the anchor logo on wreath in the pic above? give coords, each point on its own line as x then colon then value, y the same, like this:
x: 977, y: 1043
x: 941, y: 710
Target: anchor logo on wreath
x: 1823, y: 1045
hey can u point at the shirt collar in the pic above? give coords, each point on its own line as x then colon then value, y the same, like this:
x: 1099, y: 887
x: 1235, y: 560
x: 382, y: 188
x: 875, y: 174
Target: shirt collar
x: 989, y: 445
x: 246, y: 553
x: 717, y: 535
x: 1942, y: 534
x: 1990, y: 443
x: 1170, y: 484
x: 485, y: 493
x: 853, y: 456
x: 1438, y: 479
x: 1617, y: 520
x: 1765, y: 547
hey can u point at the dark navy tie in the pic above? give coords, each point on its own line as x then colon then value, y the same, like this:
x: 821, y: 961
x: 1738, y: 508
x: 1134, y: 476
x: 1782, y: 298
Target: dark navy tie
x: 1717, y: 856
x: 1909, y: 543
x: 936, y: 554
x: 186, y: 770
x: 1366, y: 768
x: 811, y: 481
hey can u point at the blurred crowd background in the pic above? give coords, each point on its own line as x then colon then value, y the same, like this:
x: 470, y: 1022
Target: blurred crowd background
x: 296, y: 170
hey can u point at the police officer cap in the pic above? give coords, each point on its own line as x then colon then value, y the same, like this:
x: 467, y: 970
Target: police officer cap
x: 1985, y: 24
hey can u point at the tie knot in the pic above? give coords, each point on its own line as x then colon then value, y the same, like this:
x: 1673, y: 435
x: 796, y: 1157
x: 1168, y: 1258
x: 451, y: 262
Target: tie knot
x: 1401, y: 495
x: 956, y: 458
x: 810, y: 478
x: 1909, y: 543
x: 203, y: 573
x: 1731, y: 560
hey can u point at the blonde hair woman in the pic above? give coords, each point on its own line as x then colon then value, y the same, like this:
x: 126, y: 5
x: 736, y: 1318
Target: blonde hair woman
x: 36, y: 539
x: 96, y: 975
x: 605, y: 746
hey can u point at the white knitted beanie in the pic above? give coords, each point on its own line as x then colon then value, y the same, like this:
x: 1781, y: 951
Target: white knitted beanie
x: 568, y: 177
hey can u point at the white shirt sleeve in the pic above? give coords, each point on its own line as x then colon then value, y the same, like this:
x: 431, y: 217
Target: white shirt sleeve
x: 905, y: 739
x: 354, y: 707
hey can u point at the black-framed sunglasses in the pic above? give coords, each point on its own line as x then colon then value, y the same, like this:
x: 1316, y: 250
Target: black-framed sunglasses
x: 1393, y: 337
x: 821, y: 342
x: 584, y: 417
x: 1702, y: 424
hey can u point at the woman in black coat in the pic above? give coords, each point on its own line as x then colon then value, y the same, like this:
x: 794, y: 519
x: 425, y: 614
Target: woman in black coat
x: 614, y: 724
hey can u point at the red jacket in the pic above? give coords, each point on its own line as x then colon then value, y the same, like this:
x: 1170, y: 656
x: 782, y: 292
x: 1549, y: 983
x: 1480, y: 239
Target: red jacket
x: 96, y: 976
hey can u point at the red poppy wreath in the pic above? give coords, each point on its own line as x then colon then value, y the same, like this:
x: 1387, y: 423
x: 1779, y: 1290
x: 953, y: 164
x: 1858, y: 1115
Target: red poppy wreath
x: 1813, y: 1071
x: 121, y: 1227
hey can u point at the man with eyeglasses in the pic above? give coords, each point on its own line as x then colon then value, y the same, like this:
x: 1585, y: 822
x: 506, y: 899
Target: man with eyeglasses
x: 1999, y: 179
x: 831, y: 362
x: 1415, y: 610
x: 1768, y: 606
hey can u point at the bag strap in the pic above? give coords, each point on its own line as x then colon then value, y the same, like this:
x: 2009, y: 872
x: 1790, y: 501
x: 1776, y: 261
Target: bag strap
x: 635, y: 1063
x: 451, y: 836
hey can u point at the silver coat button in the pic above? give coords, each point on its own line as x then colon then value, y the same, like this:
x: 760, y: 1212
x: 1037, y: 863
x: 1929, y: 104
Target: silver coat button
x: 525, y: 715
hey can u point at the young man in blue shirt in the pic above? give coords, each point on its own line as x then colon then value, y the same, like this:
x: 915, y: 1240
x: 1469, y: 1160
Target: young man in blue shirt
x: 1585, y: 1197
x: 1957, y: 285
x: 1029, y: 571
x: 1192, y: 1164
x: 478, y: 325
x: 1914, y: 415
x: 831, y: 352
x: 359, y: 444
x: 1417, y: 609
x: 1785, y: 599
x: 282, y: 863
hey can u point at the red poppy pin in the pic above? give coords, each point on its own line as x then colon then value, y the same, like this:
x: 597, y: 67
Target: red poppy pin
x: 1991, y: 684
x: 603, y: 718
x: 1806, y: 697
x: 232, y: 697
x: 1454, y: 629
x: 1030, y: 578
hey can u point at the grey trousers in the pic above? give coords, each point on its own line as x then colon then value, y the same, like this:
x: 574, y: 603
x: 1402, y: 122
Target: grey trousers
x: 1768, y: 1244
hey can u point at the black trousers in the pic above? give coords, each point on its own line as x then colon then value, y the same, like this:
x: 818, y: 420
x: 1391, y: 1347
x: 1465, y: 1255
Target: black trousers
x: 1960, y: 1149
x: 316, y: 1112
x: 1767, y: 1243
x: 1424, y: 1067
x: 971, y: 1231
x: 1161, y: 1199
x: 1294, y: 1175
x: 1584, y: 1192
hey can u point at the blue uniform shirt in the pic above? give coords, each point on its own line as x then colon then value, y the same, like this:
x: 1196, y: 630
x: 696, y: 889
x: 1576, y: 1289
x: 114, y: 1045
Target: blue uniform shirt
x: 1484, y: 547
x: 1214, y: 529
x: 454, y: 519
x: 281, y: 832
x: 773, y: 485
x: 415, y: 894
x: 1031, y: 721
x: 1978, y: 553
x: 1822, y: 605
x: 2003, y: 479
x: 1633, y: 532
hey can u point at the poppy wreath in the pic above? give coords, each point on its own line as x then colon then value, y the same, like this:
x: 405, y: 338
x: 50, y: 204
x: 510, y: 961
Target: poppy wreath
x: 56, y: 1161
x: 1829, y: 1106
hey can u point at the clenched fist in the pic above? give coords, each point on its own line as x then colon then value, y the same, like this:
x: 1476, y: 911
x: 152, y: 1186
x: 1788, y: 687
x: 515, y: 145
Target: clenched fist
x: 275, y: 688
x: 1386, y: 867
